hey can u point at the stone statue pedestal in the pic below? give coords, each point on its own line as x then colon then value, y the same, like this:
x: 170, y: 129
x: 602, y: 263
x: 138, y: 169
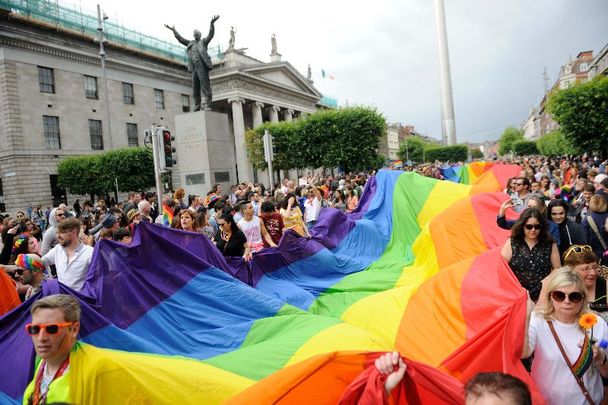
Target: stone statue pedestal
x: 205, y: 151
x: 275, y: 57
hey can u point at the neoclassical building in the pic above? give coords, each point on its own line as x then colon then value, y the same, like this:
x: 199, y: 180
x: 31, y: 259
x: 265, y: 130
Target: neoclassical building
x: 53, y: 95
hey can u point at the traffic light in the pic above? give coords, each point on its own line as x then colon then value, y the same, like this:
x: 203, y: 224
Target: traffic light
x: 168, y: 149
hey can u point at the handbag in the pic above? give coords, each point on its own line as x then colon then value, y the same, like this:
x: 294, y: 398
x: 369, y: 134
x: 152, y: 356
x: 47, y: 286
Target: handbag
x: 597, y: 232
x: 576, y: 377
x: 599, y: 237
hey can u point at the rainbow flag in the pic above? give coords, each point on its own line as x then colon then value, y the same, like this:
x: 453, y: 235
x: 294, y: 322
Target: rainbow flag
x: 415, y: 268
x: 167, y: 215
x: 466, y: 174
x: 9, y: 298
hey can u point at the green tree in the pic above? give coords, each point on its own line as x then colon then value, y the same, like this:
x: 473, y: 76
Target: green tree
x: 452, y: 153
x: 413, y: 148
x: 286, y: 144
x: 133, y: 168
x: 508, y: 138
x: 346, y: 137
x: 555, y: 144
x: 476, y: 153
x: 582, y: 114
x: 80, y: 175
x: 525, y: 148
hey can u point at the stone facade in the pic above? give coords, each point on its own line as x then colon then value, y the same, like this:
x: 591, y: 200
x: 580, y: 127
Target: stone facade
x: 388, y: 146
x: 539, y: 121
x: 248, y: 90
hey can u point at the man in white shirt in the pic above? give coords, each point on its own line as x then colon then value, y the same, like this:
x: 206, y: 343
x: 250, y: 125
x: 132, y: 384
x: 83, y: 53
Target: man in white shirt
x: 71, y: 257
x: 312, y: 206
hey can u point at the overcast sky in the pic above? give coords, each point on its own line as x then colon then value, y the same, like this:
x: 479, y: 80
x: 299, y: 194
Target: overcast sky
x: 383, y: 53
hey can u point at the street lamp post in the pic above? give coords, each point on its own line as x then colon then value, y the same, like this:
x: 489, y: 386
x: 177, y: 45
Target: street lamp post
x: 101, y: 17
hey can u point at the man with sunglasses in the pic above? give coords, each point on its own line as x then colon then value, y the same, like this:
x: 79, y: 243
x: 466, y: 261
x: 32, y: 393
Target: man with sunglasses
x: 521, y: 193
x: 71, y: 257
x: 54, y: 328
x: 30, y: 271
x: 49, y: 239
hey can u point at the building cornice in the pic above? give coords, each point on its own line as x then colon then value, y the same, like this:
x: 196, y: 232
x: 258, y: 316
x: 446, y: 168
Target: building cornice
x: 240, y: 86
x: 90, y: 58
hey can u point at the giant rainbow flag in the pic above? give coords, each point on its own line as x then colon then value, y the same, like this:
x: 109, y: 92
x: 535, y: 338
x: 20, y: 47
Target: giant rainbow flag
x: 415, y: 269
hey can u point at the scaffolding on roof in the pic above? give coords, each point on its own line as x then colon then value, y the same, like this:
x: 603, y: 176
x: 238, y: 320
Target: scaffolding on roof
x: 74, y: 19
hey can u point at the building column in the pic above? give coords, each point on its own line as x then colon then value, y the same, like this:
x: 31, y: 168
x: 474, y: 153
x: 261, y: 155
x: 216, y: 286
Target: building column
x: 274, y: 113
x: 256, y: 110
x: 288, y: 115
x: 244, y: 169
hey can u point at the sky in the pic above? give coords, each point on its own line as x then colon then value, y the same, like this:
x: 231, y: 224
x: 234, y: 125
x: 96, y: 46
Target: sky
x: 383, y: 53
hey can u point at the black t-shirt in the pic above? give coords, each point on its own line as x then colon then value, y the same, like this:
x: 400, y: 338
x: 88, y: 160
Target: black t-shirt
x: 235, y: 245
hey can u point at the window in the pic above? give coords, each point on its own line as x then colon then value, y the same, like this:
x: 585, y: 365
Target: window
x: 583, y: 67
x: 185, y: 103
x: 192, y: 179
x: 46, y: 79
x: 159, y: 99
x: 57, y: 192
x: 132, y: 137
x: 90, y: 87
x: 51, y: 132
x: 2, y: 204
x: 127, y: 93
x: 96, y: 134
x: 221, y: 177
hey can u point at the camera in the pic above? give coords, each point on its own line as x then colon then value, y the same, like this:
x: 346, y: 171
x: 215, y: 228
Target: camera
x: 517, y: 202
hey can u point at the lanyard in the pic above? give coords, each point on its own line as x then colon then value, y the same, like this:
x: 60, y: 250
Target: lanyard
x: 38, y: 399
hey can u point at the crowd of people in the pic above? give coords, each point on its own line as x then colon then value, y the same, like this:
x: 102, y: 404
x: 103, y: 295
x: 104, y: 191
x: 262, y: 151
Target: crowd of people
x: 239, y: 222
x: 556, y: 211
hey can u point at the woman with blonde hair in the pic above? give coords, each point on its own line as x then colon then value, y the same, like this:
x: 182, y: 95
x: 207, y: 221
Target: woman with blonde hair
x: 563, y: 334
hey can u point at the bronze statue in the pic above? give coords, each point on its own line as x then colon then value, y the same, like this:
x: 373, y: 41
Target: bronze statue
x: 199, y: 64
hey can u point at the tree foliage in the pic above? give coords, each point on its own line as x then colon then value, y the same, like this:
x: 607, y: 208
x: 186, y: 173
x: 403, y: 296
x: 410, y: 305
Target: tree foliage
x: 452, y: 153
x: 555, y: 144
x: 508, y: 138
x: 525, y: 148
x: 132, y: 168
x: 79, y: 175
x: 413, y: 149
x: 582, y: 114
x: 476, y: 153
x: 347, y: 138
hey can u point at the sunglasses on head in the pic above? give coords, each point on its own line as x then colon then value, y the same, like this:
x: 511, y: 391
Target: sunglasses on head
x: 574, y: 297
x: 535, y: 226
x: 577, y: 249
x: 50, y: 328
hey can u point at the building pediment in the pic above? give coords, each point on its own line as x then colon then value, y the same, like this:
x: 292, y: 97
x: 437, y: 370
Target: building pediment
x: 282, y: 74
